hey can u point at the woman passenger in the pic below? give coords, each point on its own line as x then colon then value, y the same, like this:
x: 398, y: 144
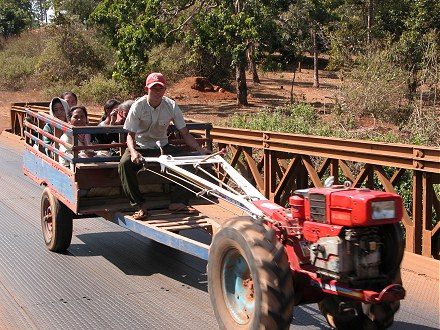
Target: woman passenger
x: 59, y: 109
x: 78, y: 117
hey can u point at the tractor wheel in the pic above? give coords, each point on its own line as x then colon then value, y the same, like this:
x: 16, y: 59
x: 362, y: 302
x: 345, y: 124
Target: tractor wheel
x: 56, y: 222
x: 366, y: 316
x: 393, y: 249
x: 249, y: 277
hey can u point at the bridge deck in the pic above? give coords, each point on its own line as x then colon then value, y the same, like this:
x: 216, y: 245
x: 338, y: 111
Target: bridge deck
x: 112, y: 278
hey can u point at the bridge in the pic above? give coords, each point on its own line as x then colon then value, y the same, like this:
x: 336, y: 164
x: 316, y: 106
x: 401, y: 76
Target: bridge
x: 279, y: 163
x: 111, y: 278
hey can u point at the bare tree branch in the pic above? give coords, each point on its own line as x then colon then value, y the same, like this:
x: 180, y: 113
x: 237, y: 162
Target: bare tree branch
x: 190, y: 17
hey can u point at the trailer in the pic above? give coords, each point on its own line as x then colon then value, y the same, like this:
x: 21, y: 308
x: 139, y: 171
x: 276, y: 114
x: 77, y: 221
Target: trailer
x: 338, y: 246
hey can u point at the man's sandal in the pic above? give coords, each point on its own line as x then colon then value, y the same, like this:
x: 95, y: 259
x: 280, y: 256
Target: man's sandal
x: 140, y: 215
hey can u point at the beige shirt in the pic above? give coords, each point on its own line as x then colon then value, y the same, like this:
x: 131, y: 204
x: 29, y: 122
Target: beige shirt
x: 150, y: 125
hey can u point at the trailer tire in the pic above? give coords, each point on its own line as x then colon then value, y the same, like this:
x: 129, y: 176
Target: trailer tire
x: 367, y: 316
x: 56, y: 222
x: 249, y: 277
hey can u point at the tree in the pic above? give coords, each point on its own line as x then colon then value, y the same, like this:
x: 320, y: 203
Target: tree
x: 305, y: 23
x: 15, y: 16
x: 40, y: 8
x: 409, y: 24
x: 235, y: 28
x: 133, y: 28
x: 80, y: 8
x: 220, y: 29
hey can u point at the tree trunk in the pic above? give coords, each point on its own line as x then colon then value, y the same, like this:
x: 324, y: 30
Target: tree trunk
x: 370, y: 12
x: 240, y: 77
x: 291, y: 88
x: 315, y: 60
x: 252, y: 64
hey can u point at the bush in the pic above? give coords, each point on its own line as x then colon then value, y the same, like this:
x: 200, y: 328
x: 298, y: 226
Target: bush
x: 99, y: 89
x: 17, y: 60
x: 423, y: 127
x: 57, y: 88
x: 375, y: 88
x: 72, y: 54
x: 15, y: 72
x: 298, y: 118
x: 174, y: 62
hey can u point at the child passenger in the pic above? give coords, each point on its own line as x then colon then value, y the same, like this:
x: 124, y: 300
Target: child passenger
x: 78, y: 117
x: 111, y: 109
x: 124, y: 108
x: 70, y: 97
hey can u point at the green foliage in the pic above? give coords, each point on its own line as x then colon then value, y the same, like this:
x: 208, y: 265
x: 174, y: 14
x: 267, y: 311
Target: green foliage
x: 71, y: 54
x: 15, y: 16
x: 298, y: 118
x: 374, y: 88
x: 99, y: 89
x: 17, y: 60
x: 423, y: 127
x: 347, y: 36
x: 227, y: 31
x: 80, y: 8
x: 15, y: 72
x: 173, y: 61
x: 59, y: 87
x: 216, y: 34
x: 133, y: 28
x: 293, y: 36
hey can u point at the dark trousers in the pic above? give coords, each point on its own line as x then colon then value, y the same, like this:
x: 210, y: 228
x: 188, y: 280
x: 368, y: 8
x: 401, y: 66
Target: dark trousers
x: 128, y: 173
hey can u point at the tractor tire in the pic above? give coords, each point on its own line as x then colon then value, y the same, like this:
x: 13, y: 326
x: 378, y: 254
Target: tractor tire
x: 249, y: 277
x: 366, y: 316
x: 393, y: 249
x: 56, y: 222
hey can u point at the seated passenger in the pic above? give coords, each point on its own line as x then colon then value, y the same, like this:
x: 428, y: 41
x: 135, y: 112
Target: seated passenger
x: 58, y: 108
x: 78, y: 117
x: 147, y: 125
x: 70, y: 97
x: 117, y: 117
x: 111, y: 108
x: 124, y: 108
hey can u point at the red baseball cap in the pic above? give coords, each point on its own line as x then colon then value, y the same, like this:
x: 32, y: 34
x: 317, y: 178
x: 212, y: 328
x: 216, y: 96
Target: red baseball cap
x: 155, y: 78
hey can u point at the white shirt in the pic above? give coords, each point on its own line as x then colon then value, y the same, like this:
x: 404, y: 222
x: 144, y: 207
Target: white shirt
x: 68, y: 138
x: 150, y: 124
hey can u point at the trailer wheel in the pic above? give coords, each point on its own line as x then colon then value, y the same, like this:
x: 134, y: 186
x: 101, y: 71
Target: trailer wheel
x: 56, y: 222
x: 366, y: 316
x: 249, y: 277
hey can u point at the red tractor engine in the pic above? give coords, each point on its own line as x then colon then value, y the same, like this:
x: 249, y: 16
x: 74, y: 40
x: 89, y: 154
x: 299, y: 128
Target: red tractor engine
x: 354, y: 234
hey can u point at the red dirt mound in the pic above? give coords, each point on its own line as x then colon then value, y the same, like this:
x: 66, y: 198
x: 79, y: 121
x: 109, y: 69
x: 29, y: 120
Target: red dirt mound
x: 198, y: 88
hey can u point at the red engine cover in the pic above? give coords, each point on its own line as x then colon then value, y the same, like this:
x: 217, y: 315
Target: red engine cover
x: 352, y: 207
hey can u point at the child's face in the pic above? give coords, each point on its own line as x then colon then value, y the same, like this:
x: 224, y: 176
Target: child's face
x: 109, y: 111
x: 78, y: 118
x: 59, y: 112
x: 70, y: 99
